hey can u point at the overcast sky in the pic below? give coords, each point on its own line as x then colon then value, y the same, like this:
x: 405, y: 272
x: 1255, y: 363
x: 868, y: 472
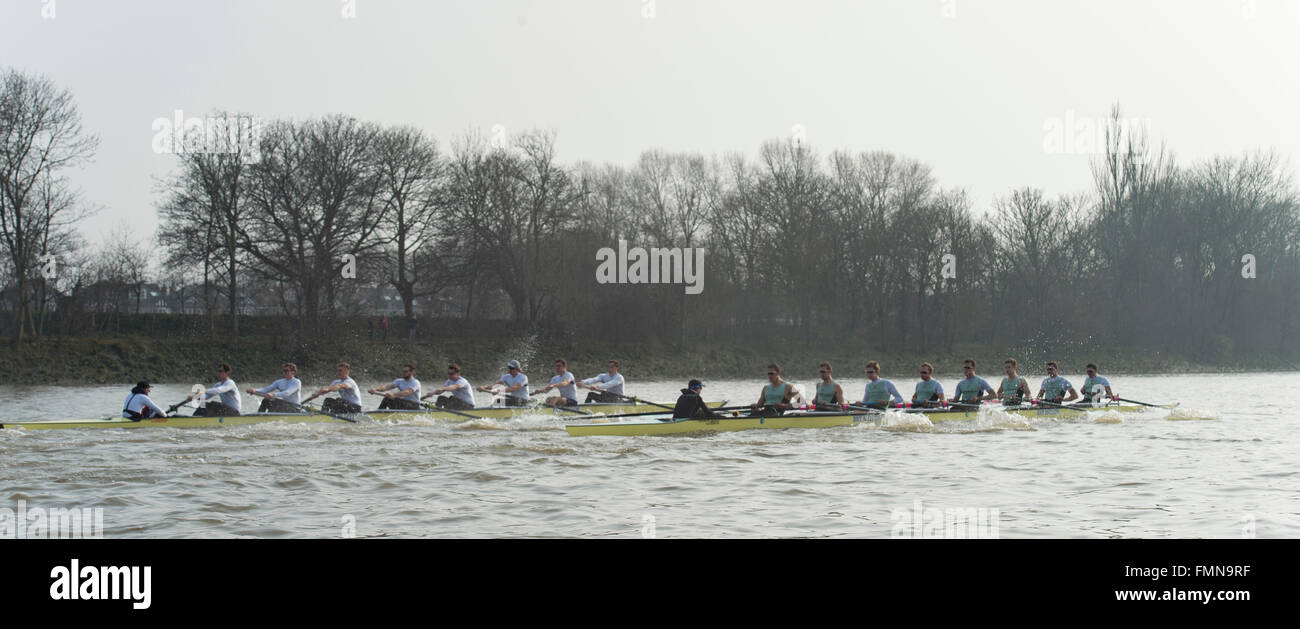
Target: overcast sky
x: 965, y: 86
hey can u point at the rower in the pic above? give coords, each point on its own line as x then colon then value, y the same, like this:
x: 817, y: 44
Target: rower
x: 972, y: 390
x: 1054, y: 387
x: 139, y: 406
x: 1014, y: 388
x: 222, y: 400
x: 349, y: 399
x: 403, y: 394
x: 775, y: 397
x: 563, y: 380
x: 929, y: 393
x: 690, y: 405
x: 879, y: 390
x: 1093, y: 386
x: 830, y: 396
x: 462, y: 394
x: 286, y: 392
x: 607, y: 387
x: 516, y: 384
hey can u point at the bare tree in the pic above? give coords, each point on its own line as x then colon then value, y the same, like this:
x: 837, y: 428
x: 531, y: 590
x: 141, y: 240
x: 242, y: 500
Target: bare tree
x: 40, y: 136
x: 314, y: 210
x: 410, y: 179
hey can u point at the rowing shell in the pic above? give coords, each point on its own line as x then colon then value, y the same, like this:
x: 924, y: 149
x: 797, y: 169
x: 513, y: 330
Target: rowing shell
x: 176, y: 422
x: 491, y: 412
x: 800, y: 419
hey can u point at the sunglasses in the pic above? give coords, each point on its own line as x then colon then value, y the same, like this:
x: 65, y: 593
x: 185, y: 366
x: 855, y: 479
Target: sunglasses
x: 925, y: 373
x: 771, y: 373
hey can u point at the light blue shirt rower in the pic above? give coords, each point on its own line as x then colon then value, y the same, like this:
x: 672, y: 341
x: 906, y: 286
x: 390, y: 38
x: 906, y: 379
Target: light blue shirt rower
x: 879, y: 390
x: 287, y: 389
x: 972, y: 389
x: 516, y: 385
x: 1096, y: 388
x: 564, y: 383
x: 281, y: 395
x: 1056, y: 389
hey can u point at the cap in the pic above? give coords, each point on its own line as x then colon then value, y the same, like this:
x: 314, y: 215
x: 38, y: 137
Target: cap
x: 514, y: 364
x: 143, y: 384
x: 695, y: 384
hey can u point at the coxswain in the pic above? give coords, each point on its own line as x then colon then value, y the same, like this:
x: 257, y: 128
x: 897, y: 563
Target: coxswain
x: 139, y: 406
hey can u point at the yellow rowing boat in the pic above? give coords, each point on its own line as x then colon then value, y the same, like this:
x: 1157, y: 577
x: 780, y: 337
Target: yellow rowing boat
x: 804, y: 419
x: 501, y: 412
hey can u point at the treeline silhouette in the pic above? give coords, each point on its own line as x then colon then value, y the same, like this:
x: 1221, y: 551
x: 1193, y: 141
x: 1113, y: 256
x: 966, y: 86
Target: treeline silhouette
x: 803, y: 249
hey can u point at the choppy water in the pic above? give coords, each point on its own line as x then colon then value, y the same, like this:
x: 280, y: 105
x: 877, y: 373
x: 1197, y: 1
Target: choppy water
x: 1228, y: 469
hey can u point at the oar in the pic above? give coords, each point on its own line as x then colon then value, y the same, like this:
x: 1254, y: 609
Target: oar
x: 561, y: 408
x: 435, y: 407
x: 566, y: 409
x: 311, y: 409
x: 637, y: 400
x: 172, y: 409
x: 1055, y: 405
x: 730, y: 408
x: 1145, y: 404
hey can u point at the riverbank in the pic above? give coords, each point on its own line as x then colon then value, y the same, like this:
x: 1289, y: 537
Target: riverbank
x: 123, y: 360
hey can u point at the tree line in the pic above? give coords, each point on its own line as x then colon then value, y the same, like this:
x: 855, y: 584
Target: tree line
x: 803, y: 248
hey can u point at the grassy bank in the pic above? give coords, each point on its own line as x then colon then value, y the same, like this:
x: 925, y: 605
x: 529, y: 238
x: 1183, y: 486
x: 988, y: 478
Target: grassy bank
x: 256, y: 359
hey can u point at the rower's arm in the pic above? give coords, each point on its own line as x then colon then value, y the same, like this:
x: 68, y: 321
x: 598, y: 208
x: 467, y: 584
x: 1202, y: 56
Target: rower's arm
x: 1072, y: 394
x: 838, y: 397
x: 893, y: 390
x: 153, y: 406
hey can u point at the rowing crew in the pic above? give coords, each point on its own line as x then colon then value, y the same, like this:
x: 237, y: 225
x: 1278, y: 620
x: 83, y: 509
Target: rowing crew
x: 779, y: 396
x: 222, y: 399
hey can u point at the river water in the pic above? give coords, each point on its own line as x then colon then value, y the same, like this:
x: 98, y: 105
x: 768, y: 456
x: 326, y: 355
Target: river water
x: 1223, y: 465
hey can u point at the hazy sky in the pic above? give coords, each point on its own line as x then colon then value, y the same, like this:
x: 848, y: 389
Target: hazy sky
x: 965, y: 86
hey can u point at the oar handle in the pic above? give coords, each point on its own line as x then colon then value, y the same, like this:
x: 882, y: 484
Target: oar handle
x: 1122, y: 399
